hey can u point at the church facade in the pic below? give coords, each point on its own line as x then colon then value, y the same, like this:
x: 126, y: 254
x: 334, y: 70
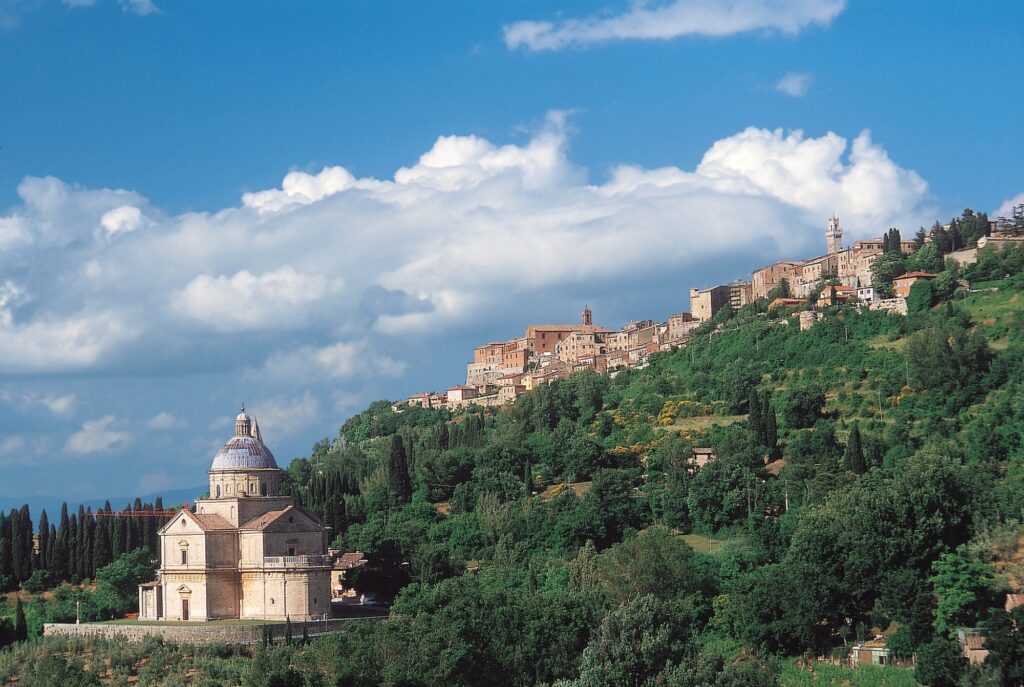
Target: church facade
x: 247, y: 552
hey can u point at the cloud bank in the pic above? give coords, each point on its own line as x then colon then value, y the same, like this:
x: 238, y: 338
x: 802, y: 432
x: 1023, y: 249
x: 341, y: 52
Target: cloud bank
x: 328, y: 275
x: 646, y: 20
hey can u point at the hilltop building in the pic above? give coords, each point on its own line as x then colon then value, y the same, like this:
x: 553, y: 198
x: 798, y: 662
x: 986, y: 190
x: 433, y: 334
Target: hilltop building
x: 851, y: 266
x: 247, y: 551
x: 704, y: 303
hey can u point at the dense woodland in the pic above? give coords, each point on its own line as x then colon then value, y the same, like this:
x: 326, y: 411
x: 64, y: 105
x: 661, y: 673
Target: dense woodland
x: 869, y: 479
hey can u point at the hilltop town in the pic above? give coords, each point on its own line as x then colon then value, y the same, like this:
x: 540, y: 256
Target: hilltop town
x: 501, y: 371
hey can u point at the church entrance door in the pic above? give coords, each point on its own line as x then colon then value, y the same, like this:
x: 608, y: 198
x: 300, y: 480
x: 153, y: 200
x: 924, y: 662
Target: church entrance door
x: 184, y: 609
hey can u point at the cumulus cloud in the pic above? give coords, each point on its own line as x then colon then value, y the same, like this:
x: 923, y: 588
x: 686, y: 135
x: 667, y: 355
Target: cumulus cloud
x: 794, y: 84
x: 1006, y: 209
x: 123, y: 219
x: 281, y: 415
x: 338, y: 361
x: 329, y: 275
x: 165, y: 420
x: 97, y: 436
x: 247, y: 301
x: 645, y: 20
x: 61, y: 405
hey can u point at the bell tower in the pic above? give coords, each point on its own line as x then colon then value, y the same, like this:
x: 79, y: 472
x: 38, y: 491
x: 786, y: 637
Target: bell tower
x: 588, y: 317
x: 834, y: 235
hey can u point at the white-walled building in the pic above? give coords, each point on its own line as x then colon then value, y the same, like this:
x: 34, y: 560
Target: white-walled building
x: 247, y: 551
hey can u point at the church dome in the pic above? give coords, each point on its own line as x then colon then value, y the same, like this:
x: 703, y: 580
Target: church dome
x: 245, y: 450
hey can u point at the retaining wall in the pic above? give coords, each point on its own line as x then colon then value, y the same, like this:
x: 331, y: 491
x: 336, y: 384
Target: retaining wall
x: 197, y: 633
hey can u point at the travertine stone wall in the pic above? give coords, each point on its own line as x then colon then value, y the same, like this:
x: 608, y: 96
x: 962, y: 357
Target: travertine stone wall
x: 195, y: 634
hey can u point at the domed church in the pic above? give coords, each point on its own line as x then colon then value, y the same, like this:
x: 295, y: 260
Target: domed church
x: 247, y: 551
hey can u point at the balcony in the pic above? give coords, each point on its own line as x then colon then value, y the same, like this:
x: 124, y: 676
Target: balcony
x: 316, y: 561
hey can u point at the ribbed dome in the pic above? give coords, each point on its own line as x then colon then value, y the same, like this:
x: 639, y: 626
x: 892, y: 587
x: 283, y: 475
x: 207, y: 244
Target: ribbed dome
x: 245, y: 451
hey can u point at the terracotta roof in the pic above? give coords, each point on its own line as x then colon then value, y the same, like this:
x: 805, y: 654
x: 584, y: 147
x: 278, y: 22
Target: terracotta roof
x: 211, y: 521
x: 260, y: 522
x: 350, y: 560
x: 462, y: 388
x: 915, y: 275
x: 974, y: 642
x: 1014, y: 600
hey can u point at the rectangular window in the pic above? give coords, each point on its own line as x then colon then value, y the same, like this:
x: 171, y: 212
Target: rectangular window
x: 291, y: 550
x: 184, y: 557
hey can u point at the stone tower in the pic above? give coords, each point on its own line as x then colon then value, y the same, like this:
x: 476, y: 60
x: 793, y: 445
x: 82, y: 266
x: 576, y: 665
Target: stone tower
x: 834, y: 235
x: 588, y: 317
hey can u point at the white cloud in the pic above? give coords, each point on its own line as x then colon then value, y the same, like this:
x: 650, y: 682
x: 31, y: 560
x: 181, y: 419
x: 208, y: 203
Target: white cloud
x: 246, y: 301
x: 448, y: 239
x: 59, y: 345
x: 1006, y: 209
x: 300, y: 188
x: 794, y: 84
x: 164, y: 420
x: 96, y: 436
x: 123, y: 219
x: 646, y: 20
x: 281, y: 416
x: 342, y: 360
x: 61, y: 405
x: 139, y: 7
x: 11, y: 444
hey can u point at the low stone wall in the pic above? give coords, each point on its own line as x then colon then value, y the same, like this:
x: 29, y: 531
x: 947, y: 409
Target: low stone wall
x: 198, y: 633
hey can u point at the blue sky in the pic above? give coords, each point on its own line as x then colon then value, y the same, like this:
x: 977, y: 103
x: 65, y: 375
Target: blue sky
x: 455, y: 171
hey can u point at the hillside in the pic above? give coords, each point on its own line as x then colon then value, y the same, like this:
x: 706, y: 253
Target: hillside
x: 867, y: 477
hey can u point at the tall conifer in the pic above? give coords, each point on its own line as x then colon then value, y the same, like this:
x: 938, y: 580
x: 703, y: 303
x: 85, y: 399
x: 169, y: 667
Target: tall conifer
x: 44, y: 540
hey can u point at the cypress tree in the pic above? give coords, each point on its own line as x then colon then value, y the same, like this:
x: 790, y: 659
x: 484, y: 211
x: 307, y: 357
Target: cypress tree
x: 83, y: 556
x: 20, y: 626
x: 755, y: 422
x: 287, y: 630
x: 27, y: 545
x: 18, y: 562
x: 6, y: 564
x: 44, y: 541
x: 399, y: 484
x: 885, y: 243
x: 854, y: 454
x: 117, y: 538
x: 101, y: 544
x: 51, y: 550
x: 771, y: 424
x: 88, y: 546
x: 73, y: 550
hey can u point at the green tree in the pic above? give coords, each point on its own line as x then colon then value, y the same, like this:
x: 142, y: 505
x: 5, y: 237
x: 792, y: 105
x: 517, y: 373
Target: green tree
x: 119, y: 581
x: 1005, y: 644
x: 853, y: 456
x: 632, y: 646
x: 20, y: 625
x: 940, y: 663
x: 399, y: 483
x: 920, y: 297
x: 963, y: 585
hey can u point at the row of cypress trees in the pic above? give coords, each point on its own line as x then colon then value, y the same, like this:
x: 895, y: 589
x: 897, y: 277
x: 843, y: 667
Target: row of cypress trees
x: 75, y: 547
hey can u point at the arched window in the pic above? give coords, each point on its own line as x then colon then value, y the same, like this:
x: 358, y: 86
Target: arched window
x: 218, y: 491
x: 252, y: 488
